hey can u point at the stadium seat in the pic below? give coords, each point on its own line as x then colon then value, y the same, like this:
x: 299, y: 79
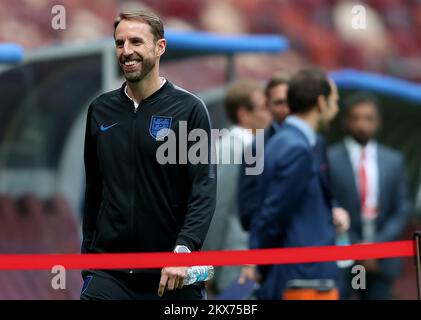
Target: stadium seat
x: 62, y: 226
x: 11, y: 240
x: 29, y: 226
x: 33, y: 223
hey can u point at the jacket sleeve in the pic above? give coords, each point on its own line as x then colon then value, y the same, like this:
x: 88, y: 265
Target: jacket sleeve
x: 224, y: 211
x: 202, y: 181
x: 93, y: 191
x: 396, y: 223
x: 286, y: 187
x: 247, y: 195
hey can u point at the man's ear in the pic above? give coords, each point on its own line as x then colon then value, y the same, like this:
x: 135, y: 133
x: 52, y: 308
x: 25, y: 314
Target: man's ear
x: 161, y: 45
x: 321, y: 103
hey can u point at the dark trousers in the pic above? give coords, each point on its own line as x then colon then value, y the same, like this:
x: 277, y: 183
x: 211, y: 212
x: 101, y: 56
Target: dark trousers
x: 378, y: 286
x: 117, y: 285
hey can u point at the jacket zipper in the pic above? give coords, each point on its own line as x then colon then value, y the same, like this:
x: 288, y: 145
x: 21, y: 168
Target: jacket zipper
x: 133, y: 181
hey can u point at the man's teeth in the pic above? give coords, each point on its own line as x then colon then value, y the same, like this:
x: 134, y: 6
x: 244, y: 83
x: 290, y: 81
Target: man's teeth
x: 130, y: 63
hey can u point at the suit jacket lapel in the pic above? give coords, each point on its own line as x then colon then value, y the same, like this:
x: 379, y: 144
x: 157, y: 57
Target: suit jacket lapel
x: 382, y: 179
x: 348, y: 172
x: 323, y: 166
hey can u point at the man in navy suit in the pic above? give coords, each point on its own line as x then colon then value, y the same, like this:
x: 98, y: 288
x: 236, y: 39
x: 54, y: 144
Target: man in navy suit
x: 248, y: 193
x: 295, y: 204
x: 368, y: 180
x: 247, y: 196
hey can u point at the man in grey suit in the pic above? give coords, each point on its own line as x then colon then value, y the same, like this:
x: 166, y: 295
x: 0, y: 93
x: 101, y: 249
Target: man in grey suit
x: 246, y: 108
x: 368, y: 180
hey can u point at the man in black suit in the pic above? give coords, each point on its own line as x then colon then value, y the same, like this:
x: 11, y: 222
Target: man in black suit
x: 368, y: 180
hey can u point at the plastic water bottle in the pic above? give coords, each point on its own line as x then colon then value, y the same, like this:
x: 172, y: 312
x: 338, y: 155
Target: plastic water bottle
x: 198, y: 273
x: 368, y: 229
x: 342, y: 239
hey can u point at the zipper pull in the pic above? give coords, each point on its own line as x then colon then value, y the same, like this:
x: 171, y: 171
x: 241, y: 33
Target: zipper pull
x: 134, y: 106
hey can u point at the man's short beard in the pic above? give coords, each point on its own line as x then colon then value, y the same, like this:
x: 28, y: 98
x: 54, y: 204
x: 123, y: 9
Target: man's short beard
x: 146, y: 66
x: 361, y: 140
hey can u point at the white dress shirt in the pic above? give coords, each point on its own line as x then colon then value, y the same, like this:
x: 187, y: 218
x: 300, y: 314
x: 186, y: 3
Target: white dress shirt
x: 370, y: 210
x: 230, y: 147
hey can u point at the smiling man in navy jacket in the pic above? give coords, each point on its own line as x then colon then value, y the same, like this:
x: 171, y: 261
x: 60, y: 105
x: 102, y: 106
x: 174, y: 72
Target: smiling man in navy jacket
x: 296, y: 202
x: 133, y: 202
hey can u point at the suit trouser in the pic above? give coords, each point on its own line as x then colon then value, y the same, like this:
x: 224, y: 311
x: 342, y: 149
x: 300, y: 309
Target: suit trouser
x: 117, y: 285
x: 377, y: 286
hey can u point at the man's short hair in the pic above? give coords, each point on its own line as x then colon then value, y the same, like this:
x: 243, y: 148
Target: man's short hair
x: 358, y: 98
x: 238, y: 95
x: 277, y: 79
x: 305, y: 87
x: 155, y: 23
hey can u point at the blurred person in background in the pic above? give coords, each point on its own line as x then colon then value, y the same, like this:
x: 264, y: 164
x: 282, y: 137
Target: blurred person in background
x: 417, y: 198
x: 276, y: 97
x: 133, y: 202
x: 222, y: 16
x: 246, y: 108
x: 368, y: 180
x: 296, y: 204
x: 247, y: 196
x: 417, y: 206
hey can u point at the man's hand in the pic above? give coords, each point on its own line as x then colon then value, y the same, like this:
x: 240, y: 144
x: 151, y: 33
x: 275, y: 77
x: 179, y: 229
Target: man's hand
x: 249, y: 272
x: 341, y: 219
x: 171, y: 278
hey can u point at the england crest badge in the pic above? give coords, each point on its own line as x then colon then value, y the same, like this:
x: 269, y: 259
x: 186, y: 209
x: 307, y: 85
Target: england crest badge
x: 160, y: 127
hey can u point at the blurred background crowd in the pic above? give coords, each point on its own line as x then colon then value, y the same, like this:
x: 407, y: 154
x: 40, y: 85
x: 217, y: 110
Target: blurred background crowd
x: 318, y: 29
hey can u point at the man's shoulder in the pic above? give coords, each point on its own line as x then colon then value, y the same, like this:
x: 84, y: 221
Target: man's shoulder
x: 105, y: 97
x: 336, y: 149
x: 287, y: 141
x: 190, y: 105
x: 389, y: 153
x: 289, y: 136
x: 187, y: 97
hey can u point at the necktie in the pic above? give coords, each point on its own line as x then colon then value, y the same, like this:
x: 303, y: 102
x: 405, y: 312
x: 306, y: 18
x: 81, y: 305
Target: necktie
x: 368, y: 208
x: 368, y: 212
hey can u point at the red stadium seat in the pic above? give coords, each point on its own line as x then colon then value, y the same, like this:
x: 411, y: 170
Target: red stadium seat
x: 405, y: 42
x: 64, y: 230
x: 33, y: 223
x: 12, y: 233
x: 63, y: 227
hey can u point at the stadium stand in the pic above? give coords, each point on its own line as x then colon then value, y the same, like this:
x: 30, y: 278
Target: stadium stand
x: 308, y: 24
x: 33, y: 225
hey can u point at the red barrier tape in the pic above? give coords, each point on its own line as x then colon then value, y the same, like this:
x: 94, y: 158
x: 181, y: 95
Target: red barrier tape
x: 216, y: 258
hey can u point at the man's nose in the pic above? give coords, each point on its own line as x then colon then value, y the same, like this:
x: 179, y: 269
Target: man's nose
x: 127, y: 49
